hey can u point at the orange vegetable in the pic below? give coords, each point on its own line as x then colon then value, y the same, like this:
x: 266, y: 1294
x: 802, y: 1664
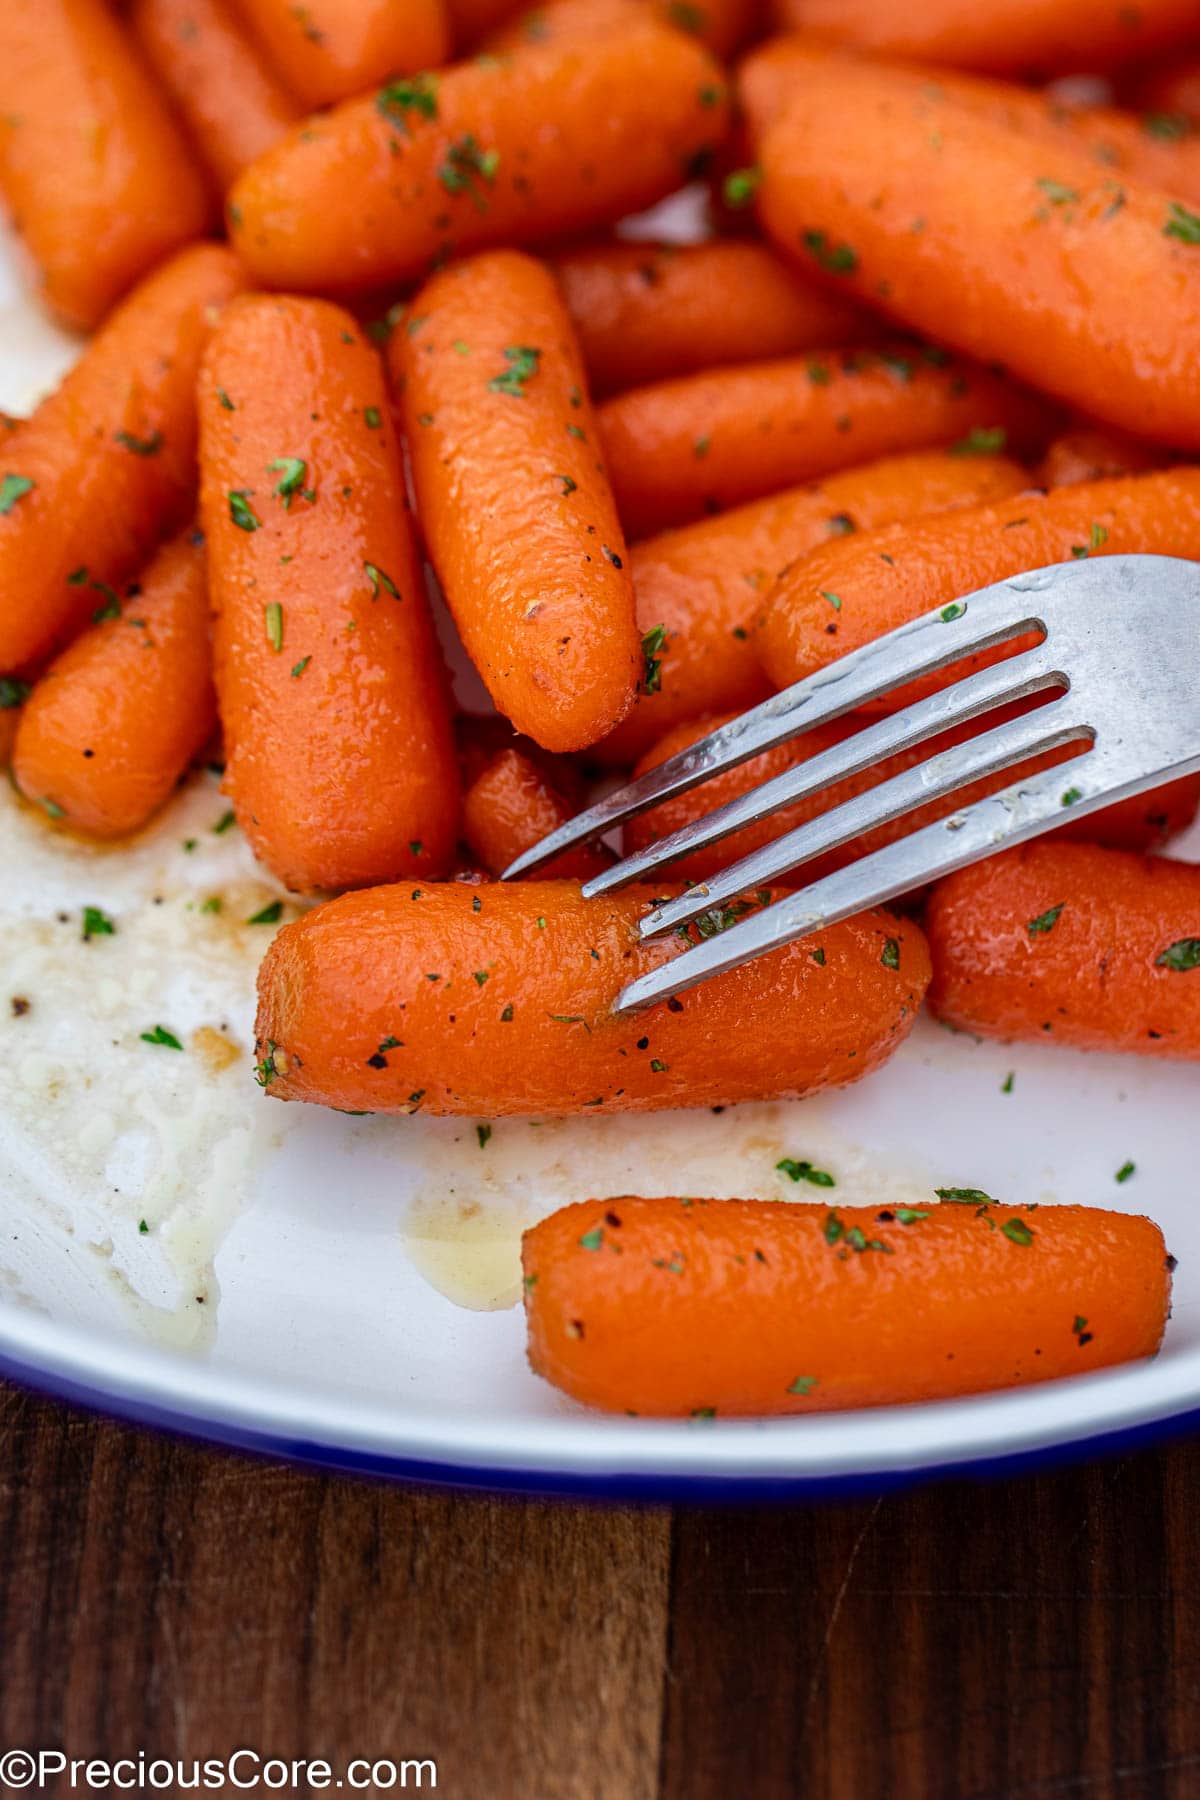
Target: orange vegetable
x: 740, y: 1307
x: 514, y: 500
x: 330, y: 49
x: 1170, y: 96
x: 559, y: 138
x: 1094, y: 455
x: 511, y: 807
x: 1040, y: 258
x: 1095, y: 948
x: 696, y: 587
x: 404, y: 998
x: 681, y: 448
x: 339, y: 750
x: 106, y: 465
x: 723, y: 25
x: 481, y: 737
x: 117, y: 718
x: 98, y: 181
x: 232, y: 103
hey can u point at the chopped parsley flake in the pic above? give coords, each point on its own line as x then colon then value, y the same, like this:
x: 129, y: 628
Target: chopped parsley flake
x: 292, y: 472
x: 965, y: 1196
x: 418, y: 94
x: 803, y: 1384
x: 740, y: 187
x: 160, y: 1035
x: 1070, y: 797
x: 981, y: 440
x: 835, y: 259
x: 467, y: 166
x: 1017, y: 1232
x: 955, y: 610
x: 835, y: 600
x: 378, y: 578
x: 523, y: 360
x: 299, y: 668
x: 804, y: 1171
x: 148, y: 446
x: 483, y: 1133
x: 273, y: 619
x: 592, y: 1240
x: 1182, y: 224
x: 12, y: 489
x: 1181, y: 956
x: 653, y: 644
x: 97, y: 923
x: 13, y: 692
x: 373, y: 417
x: 241, y: 512
x: 270, y: 914
x: 1124, y: 1172
x: 890, y: 954
x: 1045, y: 921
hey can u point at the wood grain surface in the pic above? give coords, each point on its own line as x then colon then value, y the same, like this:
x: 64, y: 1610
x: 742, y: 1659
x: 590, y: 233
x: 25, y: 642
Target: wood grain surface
x: 1032, y: 1638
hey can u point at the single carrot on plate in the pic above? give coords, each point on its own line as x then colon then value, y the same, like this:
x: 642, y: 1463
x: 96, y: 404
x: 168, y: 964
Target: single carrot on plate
x: 713, y: 1308
x: 105, y: 467
x: 329, y: 49
x: 514, y: 499
x: 116, y: 719
x: 97, y: 178
x: 510, y: 807
x: 555, y: 139
x: 339, y: 748
x: 1071, y: 944
x: 1088, y: 453
x: 415, y: 998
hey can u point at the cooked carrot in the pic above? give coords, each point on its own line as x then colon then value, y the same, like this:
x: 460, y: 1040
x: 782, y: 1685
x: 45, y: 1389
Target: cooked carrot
x: 1036, y: 257
x: 644, y: 312
x: 328, y: 50
x: 555, y: 139
x: 481, y: 737
x: 1170, y: 97
x: 97, y: 178
x: 516, y: 506
x: 339, y: 749
x: 847, y: 593
x: 408, y: 998
x: 117, y: 718
x: 1089, y: 454
x: 724, y: 25
x: 700, y: 589
x: 510, y: 807
x: 232, y: 103
x: 1073, y: 944
x: 106, y: 465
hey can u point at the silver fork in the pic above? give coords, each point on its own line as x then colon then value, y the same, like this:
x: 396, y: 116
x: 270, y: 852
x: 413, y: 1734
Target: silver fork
x: 1119, y: 639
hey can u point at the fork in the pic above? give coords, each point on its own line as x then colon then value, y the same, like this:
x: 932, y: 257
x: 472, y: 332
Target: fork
x: 1119, y: 638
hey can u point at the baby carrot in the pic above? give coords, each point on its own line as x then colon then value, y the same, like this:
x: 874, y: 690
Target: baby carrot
x: 510, y: 807
x: 721, y: 24
x: 232, y: 103
x: 514, y: 499
x: 480, y: 737
x: 405, y: 998
x: 703, y: 442
x: 556, y: 139
x: 1095, y: 948
x: 97, y: 177
x: 339, y: 751
x: 696, y: 587
x: 106, y: 464
x: 677, y: 1307
x: 329, y: 49
x: 117, y: 718
x: 1085, y: 284
x: 1089, y: 454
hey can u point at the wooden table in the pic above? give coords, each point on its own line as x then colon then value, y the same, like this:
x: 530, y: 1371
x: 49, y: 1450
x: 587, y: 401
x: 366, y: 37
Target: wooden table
x: 1037, y: 1639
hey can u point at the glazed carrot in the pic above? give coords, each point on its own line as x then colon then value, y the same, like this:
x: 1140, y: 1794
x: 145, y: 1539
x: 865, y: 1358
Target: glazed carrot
x: 880, y: 579
x: 232, y: 103
x: 97, y: 178
x: 1095, y: 948
x: 680, y: 448
x: 699, y: 589
x: 1170, y: 97
x: 557, y: 139
x: 510, y: 807
x: 117, y: 718
x: 329, y: 49
x: 339, y: 750
x: 1087, y: 454
x: 1086, y: 284
x: 407, y: 998
x: 480, y: 738
x: 723, y: 25
x: 644, y: 312
x: 517, y: 511
x: 673, y: 1307
x: 106, y: 464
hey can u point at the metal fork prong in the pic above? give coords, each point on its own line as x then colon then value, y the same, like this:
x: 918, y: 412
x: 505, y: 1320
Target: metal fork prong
x: 1014, y: 679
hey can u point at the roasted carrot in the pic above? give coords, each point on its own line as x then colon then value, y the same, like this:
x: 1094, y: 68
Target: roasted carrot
x: 724, y: 25
x: 339, y: 749
x: 1170, y: 97
x: 514, y: 499
x: 407, y: 998
x: 699, y: 589
x: 1090, y: 454
x: 329, y: 49
x: 510, y: 807
x: 97, y: 178
x: 1036, y: 257
x: 481, y: 737
x: 117, y: 718
x: 106, y: 465
x: 1095, y: 948
x: 232, y: 103
x: 677, y: 1307
x: 555, y: 139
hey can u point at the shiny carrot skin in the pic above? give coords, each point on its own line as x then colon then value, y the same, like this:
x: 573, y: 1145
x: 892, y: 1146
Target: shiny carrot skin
x: 96, y: 175
x: 556, y: 139
x: 678, y: 449
x: 514, y: 499
x: 480, y: 738
x: 678, y: 1307
x: 1094, y: 455
x: 1071, y: 944
x: 106, y: 465
x: 339, y: 749
x: 699, y: 589
x: 411, y: 997
x: 116, y: 719
x: 510, y: 807
x: 328, y: 50
x: 723, y: 25
x: 234, y: 105
x: 1021, y: 254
